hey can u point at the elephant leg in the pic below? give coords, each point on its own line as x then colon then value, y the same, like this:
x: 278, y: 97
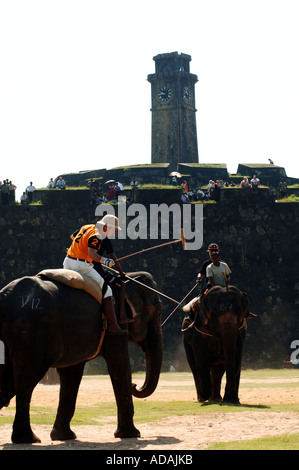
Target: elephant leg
x: 232, y: 389
x: 192, y: 365
x: 200, y: 372
x: 204, y: 378
x: 70, y: 379
x: 7, y: 390
x: 25, y: 381
x: 115, y: 353
x: 217, y: 372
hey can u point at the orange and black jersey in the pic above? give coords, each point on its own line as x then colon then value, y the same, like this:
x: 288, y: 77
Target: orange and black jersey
x: 84, y: 238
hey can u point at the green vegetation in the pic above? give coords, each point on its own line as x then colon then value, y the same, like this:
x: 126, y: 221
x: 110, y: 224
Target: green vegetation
x: 68, y: 188
x: 155, y: 186
x: 291, y: 198
x: 283, y: 442
x: 206, y: 165
x: 238, y: 187
x: 144, y: 411
x: 270, y: 374
x: 140, y: 165
x: 261, y: 165
x: 36, y: 203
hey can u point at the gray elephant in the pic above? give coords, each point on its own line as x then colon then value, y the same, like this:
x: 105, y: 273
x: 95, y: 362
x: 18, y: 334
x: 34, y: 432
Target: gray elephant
x: 44, y: 323
x: 213, y: 341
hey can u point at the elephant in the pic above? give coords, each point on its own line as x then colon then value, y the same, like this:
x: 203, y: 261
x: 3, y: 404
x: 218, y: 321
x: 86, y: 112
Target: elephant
x: 44, y: 323
x: 214, y: 340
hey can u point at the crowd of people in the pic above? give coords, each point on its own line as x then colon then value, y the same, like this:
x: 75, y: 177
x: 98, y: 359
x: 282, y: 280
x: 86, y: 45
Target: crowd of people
x: 7, y: 192
x: 211, y: 192
x: 253, y: 183
x: 113, y: 190
x: 60, y: 183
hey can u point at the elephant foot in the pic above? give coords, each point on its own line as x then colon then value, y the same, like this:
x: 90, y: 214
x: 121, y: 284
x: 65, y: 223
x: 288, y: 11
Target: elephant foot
x: 216, y: 399
x: 232, y: 400
x: 126, y: 432
x: 62, y: 434
x: 24, y: 438
x: 202, y: 399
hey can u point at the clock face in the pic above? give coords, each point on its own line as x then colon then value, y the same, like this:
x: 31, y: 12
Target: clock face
x: 164, y: 94
x: 186, y: 94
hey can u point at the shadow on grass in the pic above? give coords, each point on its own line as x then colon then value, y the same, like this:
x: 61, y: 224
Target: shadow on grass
x: 238, y: 406
x: 134, y: 444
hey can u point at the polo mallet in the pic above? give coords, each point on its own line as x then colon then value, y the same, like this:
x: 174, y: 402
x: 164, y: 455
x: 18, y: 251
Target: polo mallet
x: 226, y: 282
x: 180, y: 303
x: 129, y: 278
x: 181, y: 240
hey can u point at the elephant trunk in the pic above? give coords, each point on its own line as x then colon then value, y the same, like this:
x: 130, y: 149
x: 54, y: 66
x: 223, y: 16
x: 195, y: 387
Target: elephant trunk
x: 153, y: 348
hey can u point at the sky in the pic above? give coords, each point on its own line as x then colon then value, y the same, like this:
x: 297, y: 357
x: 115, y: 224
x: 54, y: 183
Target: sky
x: 74, y: 93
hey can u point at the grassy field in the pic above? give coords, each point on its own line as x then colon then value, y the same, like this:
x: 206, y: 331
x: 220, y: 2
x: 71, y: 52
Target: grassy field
x: 150, y: 411
x: 283, y: 442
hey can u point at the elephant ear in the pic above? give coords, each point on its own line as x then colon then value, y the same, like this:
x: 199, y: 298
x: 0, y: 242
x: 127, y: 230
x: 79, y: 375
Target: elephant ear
x: 202, y: 310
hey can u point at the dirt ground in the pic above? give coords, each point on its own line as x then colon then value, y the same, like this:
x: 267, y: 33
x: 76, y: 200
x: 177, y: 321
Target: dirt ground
x: 172, y: 433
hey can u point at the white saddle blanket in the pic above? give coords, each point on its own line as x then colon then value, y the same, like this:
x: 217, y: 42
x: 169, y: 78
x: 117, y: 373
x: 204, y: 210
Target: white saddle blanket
x: 75, y: 280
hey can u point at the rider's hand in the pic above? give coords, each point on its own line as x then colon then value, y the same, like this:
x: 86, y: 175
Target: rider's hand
x: 109, y: 262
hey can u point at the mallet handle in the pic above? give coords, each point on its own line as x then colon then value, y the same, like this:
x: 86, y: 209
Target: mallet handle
x: 148, y: 249
x: 143, y: 285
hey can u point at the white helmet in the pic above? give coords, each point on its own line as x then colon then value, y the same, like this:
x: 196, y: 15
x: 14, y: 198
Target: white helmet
x: 110, y: 221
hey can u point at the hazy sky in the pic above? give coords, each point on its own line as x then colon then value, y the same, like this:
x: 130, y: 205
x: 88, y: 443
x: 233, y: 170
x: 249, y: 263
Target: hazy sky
x: 74, y: 93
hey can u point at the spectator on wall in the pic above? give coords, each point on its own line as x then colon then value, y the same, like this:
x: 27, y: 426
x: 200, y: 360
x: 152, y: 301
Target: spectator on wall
x: 51, y: 184
x: 60, y: 184
x: 255, y: 182
x: 29, y: 190
x: 244, y: 183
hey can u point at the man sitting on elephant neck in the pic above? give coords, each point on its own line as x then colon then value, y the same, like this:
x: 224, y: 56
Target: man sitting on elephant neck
x: 202, y: 275
x: 207, y: 280
x: 84, y: 250
x: 218, y: 272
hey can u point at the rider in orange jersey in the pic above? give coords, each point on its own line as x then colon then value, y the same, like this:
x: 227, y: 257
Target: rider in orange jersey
x: 84, y: 250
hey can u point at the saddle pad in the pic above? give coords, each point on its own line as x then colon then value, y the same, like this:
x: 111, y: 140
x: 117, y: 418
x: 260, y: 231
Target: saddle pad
x: 75, y: 280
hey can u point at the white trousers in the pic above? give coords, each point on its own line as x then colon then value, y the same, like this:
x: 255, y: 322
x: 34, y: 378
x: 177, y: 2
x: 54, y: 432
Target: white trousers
x: 87, y: 270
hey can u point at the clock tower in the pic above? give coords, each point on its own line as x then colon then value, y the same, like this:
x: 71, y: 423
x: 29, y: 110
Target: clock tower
x: 174, y: 135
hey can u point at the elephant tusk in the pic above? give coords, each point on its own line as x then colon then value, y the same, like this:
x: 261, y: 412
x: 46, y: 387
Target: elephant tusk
x: 244, y: 324
x: 202, y: 332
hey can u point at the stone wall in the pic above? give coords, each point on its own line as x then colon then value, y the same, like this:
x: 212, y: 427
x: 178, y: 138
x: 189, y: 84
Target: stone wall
x: 259, y: 243
x: 151, y: 173
x: 196, y: 174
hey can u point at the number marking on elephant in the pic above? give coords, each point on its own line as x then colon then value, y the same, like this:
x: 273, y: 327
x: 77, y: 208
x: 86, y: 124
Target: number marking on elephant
x: 35, y: 302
